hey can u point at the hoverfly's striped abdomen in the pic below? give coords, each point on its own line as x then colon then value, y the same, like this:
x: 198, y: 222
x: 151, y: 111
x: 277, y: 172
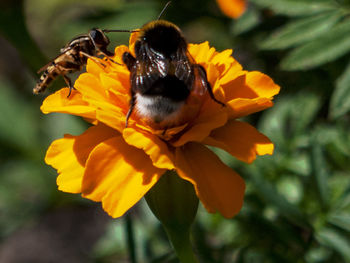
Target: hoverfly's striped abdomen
x: 49, y: 75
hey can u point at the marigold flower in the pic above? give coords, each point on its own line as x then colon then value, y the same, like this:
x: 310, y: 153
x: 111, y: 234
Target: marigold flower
x: 117, y: 165
x: 232, y: 8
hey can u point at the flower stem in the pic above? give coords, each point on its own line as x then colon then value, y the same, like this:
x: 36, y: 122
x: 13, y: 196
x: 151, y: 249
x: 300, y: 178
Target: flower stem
x: 182, y: 245
x: 130, y: 238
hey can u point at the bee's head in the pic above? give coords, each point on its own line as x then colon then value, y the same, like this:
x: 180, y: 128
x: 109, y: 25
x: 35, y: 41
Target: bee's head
x: 162, y: 37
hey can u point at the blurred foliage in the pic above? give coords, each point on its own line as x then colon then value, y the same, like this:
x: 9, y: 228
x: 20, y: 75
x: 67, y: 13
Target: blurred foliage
x: 297, y: 206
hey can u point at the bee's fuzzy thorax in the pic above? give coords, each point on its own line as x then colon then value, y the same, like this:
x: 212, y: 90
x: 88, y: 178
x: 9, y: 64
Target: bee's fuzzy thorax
x: 154, y: 24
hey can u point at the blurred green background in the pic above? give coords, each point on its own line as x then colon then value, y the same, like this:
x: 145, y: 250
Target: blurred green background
x: 297, y: 205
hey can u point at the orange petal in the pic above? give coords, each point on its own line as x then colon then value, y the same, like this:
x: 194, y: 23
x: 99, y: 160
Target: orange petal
x: 241, y: 140
x: 243, y: 107
x: 117, y: 82
x: 111, y: 116
x: 132, y: 39
x: 232, y: 8
x: 250, y: 85
x: 119, y: 51
x: 94, y: 67
x: 119, y: 175
x: 90, y: 86
x: 58, y: 102
x: 68, y: 155
x: 262, y: 84
x: 217, y: 186
x: 213, y: 117
x: 234, y: 71
x: 225, y: 63
x: 152, y: 145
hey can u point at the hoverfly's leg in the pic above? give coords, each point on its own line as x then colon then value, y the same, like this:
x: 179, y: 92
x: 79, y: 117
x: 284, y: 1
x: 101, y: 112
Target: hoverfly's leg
x: 203, y: 75
x: 129, y: 60
x: 112, y: 60
x: 107, y: 55
x: 92, y: 58
x: 132, y: 106
x: 69, y: 83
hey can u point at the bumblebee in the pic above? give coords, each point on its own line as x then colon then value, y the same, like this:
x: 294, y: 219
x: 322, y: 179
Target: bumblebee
x: 73, y: 57
x: 163, y: 74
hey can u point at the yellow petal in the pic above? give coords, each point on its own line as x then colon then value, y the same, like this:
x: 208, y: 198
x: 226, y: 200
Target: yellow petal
x: 218, y: 187
x: 152, y: 145
x: 119, y: 175
x: 201, y: 53
x: 68, y: 155
x: 241, y: 140
x: 58, y: 102
x: 232, y: 8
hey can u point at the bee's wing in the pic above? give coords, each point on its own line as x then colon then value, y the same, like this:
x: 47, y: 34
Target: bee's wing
x: 154, y: 66
x: 149, y: 70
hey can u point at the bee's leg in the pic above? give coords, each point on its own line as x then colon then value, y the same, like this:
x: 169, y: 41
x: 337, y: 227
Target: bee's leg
x: 132, y: 106
x: 203, y: 75
x: 164, y: 131
x: 92, y: 58
x: 129, y: 60
x: 69, y: 83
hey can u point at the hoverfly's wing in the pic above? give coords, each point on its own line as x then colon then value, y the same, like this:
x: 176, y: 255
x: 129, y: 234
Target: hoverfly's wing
x: 51, y: 62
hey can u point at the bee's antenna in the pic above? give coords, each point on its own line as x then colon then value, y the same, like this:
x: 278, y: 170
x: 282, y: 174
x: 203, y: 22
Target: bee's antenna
x: 164, y: 8
x: 118, y: 30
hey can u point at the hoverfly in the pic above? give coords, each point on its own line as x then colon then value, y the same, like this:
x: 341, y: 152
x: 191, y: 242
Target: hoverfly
x: 74, y: 56
x: 163, y: 73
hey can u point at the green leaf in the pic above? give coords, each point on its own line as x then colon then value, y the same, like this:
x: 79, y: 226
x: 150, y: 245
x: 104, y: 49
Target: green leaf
x: 247, y: 21
x: 320, y: 171
x: 269, y: 193
x: 296, y: 7
x: 340, y: 100
x: 321, y: 50
x: 290, y: 116
x: 335, y: 240
x: 301, y: 31
x: 341, y: 220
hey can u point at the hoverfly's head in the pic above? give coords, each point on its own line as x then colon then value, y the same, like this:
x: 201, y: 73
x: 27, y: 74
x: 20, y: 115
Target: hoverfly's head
x: 100, y: 40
